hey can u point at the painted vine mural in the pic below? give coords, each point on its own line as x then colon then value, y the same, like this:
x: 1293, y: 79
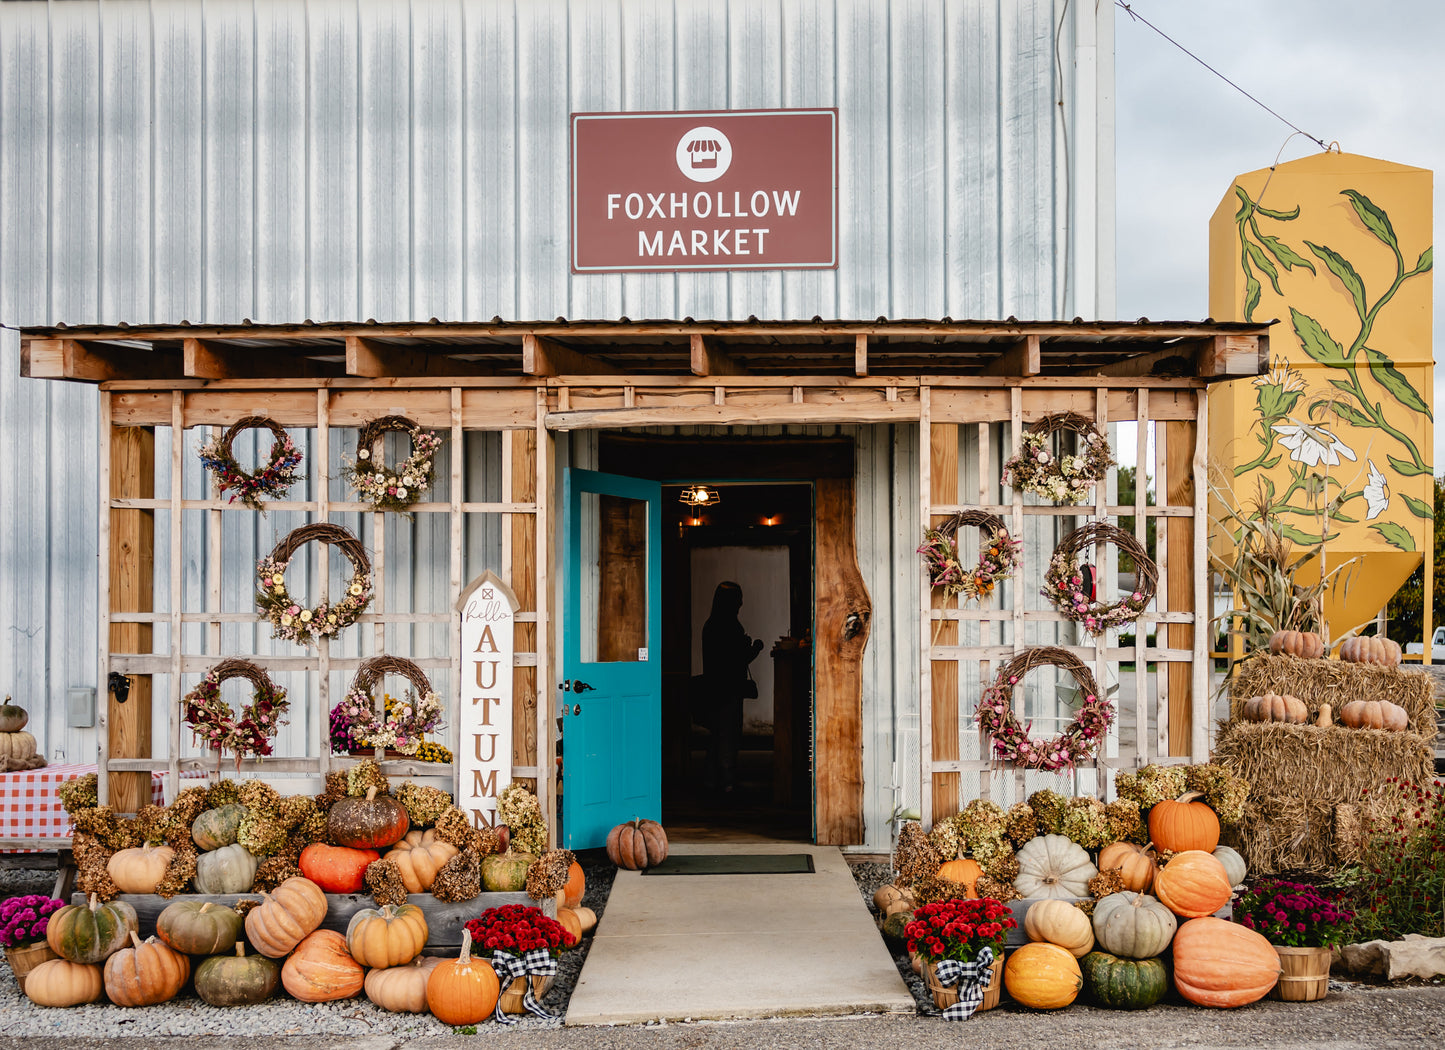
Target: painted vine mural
x: 1366, y: 390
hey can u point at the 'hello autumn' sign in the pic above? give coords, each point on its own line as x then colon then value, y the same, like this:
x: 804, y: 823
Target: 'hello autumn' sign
x: 488, y: 611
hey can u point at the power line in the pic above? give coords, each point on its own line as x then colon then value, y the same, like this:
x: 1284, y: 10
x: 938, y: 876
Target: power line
x: 1140, y: 18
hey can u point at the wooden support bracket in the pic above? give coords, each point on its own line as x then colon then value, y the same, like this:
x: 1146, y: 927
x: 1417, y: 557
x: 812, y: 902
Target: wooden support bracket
x: 543, y: 357
x: 1021, y: 359
x: 860, y: 355
x: 1234, y: 355
x: 209, y: 359
x: 93, y: 362
x: 709, y: 359
x: 373, y: 360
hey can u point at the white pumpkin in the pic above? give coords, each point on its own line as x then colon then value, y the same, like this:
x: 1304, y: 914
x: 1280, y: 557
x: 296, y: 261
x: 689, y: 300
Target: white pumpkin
x: 17, y: 745
x: 230, y: 869
x: 1054, y: 866
x: 1234, y: 865
x: 1059, y: 922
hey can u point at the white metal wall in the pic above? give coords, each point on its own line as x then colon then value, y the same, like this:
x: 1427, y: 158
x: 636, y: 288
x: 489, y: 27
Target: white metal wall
x: 353, y: 159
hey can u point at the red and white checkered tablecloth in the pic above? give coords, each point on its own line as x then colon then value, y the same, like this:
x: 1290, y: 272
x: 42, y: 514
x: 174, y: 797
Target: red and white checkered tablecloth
x: 31, y: 809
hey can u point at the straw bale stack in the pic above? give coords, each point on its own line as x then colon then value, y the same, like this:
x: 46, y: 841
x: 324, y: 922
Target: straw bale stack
x: 1336, y: 683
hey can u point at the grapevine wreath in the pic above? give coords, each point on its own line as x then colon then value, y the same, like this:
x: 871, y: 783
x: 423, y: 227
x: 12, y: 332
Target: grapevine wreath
x: 1064, y: 584
x: 1062, y: 478
x: 289, y: 619
x: 407, y: 721
x: 998, y: 555
x: 383, y: 487
x: 1011, y: 740
x: 214, y: 724
x: 279, y: 474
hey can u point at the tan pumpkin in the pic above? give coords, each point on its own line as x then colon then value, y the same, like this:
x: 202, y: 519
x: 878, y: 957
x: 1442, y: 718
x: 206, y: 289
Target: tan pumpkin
x: 463, y: 990
x: 1380, y: 652
x: 17, y: 746
x: 570, y: 921
x: 890, y: 893
x: 387, y: 936
x: 140, y: 869
x: 321, y: 970
x: 1133, y: 925
x: 1136, y: 865
x: 60, y: 982
x: 146, y: 973
x: 285, y: 916
x: 1184, y: 824
x: 1219, y: 963
x: 587, y: 917
x: 1059, y: 922
x: 1042, y: 976
x: 1374, y: 714
x: 1305, y: 644
x: 1274, y: 707
x: 964, y: 871
x: 637, y: 844
x: 420, y: 855
x: 1053, y: 866
x: 401, y: 989
x: 1193, y: 884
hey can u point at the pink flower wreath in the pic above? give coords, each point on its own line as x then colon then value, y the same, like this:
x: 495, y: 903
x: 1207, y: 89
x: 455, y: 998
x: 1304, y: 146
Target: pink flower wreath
x: 1011, y: 740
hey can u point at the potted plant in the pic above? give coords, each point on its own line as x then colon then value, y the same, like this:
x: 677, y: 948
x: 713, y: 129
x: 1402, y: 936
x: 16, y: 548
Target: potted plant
x: 1303, y: 923
x: 23, y: 921
x: 961, y: 931
x: 524, y: 943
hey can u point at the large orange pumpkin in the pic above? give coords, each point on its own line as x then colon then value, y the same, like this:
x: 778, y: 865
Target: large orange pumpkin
x: 146, y: 973
x: 1183, y: 824
x: 1043, y: 976
x: 321, y: 969
x: 1193, y: 884
x: 463, y: 990
x: 576, y: 886
x: 1137, y: 867
x: 284, y: 916
x: 1219, y: 963
x: 337, y: 869
x: 964, y: 871
x: 387, y: 936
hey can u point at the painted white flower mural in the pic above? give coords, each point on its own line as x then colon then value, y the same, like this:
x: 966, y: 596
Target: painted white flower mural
x: 1377, y: 493
x: 1312, y: 444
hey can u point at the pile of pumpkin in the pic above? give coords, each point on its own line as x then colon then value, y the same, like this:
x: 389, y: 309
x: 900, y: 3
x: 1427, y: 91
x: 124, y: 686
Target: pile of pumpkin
x: 17, y: 747
x: 1147, y: 900
x: 381, y: 954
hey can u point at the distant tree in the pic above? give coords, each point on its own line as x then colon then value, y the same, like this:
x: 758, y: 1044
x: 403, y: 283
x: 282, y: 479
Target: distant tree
x: 1406, y: 609
x: 1126, y: 521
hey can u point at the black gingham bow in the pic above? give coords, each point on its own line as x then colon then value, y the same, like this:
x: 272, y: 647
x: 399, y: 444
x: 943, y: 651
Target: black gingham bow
x: 971, y: 979
x: 538, y: 961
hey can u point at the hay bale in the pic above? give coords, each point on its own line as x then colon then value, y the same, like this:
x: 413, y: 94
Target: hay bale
x: 1286, y: 834
x: 1334, y: 764
x: 1351, y: 828
x: 1336, y: 683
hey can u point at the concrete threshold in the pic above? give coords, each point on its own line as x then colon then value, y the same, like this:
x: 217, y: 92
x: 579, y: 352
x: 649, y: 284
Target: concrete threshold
x: 721, y: 947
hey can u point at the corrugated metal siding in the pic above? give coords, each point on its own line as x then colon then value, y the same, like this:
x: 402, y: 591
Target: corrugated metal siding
x: 346, y: 160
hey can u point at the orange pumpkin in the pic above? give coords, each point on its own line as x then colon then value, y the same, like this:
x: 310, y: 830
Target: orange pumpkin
x: 420, y: 855
x: 60, y: 982
x: 1193, y: 884
x: 321, y: 969
x: 964, y: 871
x: 146, y: 973
x: 285, y: 916
x: 576, y: 886
x: 1272, y: 707
x: 1374, y: 714
x: 1137, y: 867
x: 1304, y: 644
x: 463, y: 990
x: 387, y: 936
x: 1183, y: 824
x: 139, y: 869
x: 1219, y: 963
x: 337, y: 869
x: 1382, y: 652
x: 571, y: 922
x: 637, y: 844
x: 1043, y: 976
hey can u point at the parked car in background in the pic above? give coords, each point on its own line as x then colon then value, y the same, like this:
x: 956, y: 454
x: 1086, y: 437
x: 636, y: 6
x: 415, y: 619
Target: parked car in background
x: 1437, y: 646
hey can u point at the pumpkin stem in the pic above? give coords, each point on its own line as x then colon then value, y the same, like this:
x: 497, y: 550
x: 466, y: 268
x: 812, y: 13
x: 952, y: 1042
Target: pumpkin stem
x: 371, y: 793
x: 465, y: 958
x: 240, y: 949
x: 94, y: 904
x: 135, y: 938
x: 1189, y: 796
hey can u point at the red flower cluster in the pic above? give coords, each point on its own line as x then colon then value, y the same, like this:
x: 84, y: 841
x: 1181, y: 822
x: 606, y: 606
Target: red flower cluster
x: 1402, y: 872
x: 959, y: 929
x: 1295, y: 914
x: 517, y: 929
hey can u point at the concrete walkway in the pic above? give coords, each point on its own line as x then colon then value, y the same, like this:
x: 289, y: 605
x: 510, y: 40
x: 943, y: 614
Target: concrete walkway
x: 712, y: 947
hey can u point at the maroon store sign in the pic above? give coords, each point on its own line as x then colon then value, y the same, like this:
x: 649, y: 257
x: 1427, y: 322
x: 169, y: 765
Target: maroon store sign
x: 734, y: 190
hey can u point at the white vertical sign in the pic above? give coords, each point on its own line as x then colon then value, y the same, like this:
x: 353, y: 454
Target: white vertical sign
x: 488, y: 609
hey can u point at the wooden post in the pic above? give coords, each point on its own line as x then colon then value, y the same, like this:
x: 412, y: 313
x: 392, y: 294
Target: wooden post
x: 523, y: 529
x: 943, y: 473
x: 1180, y: 483
x: 132, y: 589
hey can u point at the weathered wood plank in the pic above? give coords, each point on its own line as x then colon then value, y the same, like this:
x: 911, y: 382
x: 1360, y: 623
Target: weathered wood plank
x: 1234, y: 355
x: 93, y: 362
x: 132, y: 589
x: 733, y: 413
x: 367, y: 357
x: 544, y: 357
x: 1180, y: 482
x: 201, y: 359
x: 943, y: 701
x: 523, y: 582
x: 706, y: 358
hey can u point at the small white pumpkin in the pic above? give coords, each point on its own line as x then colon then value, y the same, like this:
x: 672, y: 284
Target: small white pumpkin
x: 1234, y: 865
x: 1054, y: 866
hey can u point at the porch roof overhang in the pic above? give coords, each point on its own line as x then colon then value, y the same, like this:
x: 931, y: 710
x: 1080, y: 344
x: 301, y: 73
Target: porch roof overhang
x: 310, y: 351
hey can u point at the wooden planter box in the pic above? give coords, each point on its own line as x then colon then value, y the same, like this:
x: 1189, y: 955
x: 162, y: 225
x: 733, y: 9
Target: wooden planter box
x: 444, y: 920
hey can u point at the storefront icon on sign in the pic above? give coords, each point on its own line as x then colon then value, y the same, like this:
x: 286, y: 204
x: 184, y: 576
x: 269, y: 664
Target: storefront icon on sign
x: 704, y: 154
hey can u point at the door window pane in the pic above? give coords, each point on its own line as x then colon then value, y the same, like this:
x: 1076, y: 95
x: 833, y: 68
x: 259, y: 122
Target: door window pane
x: 614, y: 578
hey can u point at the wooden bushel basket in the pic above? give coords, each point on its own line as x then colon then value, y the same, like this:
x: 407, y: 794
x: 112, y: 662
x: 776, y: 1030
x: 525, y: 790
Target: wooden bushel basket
x: 943, y: 997
x: 1306, y: 976
x: 24, y: 959
x: 512, y: 995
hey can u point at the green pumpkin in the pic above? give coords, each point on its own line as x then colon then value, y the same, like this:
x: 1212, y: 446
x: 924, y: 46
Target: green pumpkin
x: 217, y: 827
x: 1123, y: 984
x: 893, y: 926
x: 237, y: 980
x: 199, y: 927
x: 230, y: 869
x: 506, y: 872
x: 91, y: 933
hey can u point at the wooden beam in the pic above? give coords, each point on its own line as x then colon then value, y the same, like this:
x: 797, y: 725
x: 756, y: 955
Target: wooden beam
x: 1021, y: 359
x: 943, y: 677
x: 543, y: 357
x: 93, y: 362
x: 523, y: 582
x: 373, y: 360
x: 132, y: 589
x: 860, y: 354
x: 1234, y: 355
x: 1177, y: 359
x: 1179, y: 477
x: 205, y: 359
x: 709, y: 359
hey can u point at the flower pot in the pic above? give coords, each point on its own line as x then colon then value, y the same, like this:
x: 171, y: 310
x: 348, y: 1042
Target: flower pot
x: 1306, y: 976
x: 512, y: 995
x: 388, y: 754
x: 25, y: 957
x: 946, y: 997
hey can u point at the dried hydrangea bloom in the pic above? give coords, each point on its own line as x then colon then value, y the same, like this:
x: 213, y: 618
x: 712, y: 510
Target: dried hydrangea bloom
x: 988, y: 886
x: 273, y: 871
x: 424, y: 805
x: 179, y: 872
x: 947, y: 839
x: 366, y: 775
x: 1048, y: 807
x: 80, y: 793
x: 1126, y: 824
x: 223, y: 793
x: 262, y: 832
x: 460, y: 879
x: 385, y: 882
x: 1020, y: 823
x: 91, y: 860
x: 914, y: 857
x: 1086, y: 823
x: 1105, y: 883
x: 548, y: 876
x: 257, y: 794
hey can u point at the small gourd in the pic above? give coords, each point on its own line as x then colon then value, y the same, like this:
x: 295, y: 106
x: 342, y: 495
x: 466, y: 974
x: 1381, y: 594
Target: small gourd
x: 1305, y: 644
x: 1273, y: 707
x: 1323, y: 719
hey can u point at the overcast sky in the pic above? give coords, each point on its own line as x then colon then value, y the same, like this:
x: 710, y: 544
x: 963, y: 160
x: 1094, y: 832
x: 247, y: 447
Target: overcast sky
x: 1363, y: 74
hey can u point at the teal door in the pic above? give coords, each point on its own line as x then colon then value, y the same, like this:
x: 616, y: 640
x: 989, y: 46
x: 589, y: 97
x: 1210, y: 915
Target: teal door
x: 610, y: 696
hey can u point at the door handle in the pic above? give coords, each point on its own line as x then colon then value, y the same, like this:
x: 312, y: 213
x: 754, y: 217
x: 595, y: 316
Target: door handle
x: 581, y: 687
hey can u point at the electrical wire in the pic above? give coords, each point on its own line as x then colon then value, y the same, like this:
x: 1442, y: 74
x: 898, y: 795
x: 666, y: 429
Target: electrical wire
x: 1129, y: 10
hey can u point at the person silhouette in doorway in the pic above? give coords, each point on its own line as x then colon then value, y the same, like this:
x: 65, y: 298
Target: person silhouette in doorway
x: 726, y: 652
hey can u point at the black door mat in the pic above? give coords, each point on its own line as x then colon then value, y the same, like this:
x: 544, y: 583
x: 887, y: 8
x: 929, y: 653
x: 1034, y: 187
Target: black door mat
x: 734, y: 864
